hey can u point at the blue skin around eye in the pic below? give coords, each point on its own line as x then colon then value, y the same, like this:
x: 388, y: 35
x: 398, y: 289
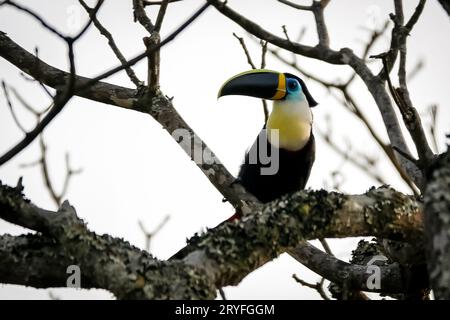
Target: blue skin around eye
x: 294, y: 93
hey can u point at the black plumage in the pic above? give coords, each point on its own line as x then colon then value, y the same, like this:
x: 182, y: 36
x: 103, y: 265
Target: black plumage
x: 293, y: 170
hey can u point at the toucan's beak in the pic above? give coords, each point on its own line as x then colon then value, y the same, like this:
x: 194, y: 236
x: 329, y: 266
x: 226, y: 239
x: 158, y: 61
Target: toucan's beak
x: 259, y: 83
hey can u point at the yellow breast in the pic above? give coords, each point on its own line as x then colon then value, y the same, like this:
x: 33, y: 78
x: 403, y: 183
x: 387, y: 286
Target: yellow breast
x: 293, y: 127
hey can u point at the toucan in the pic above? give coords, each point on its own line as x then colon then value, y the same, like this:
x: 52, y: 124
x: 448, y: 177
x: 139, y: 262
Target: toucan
x: 286, y: 136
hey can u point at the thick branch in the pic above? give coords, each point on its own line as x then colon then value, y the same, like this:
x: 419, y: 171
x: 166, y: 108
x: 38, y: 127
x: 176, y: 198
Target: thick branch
x: 220, y: 257
x: 318, y: 52
x: 393, y: 278
x: 437, y: 222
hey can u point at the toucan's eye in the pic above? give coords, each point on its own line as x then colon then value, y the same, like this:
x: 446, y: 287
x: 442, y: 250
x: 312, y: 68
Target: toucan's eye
x: 292, y: 84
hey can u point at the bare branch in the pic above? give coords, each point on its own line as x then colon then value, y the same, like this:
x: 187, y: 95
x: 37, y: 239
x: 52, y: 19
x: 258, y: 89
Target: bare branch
x: 153, y: 69
x: 437, y: 212
x: 317, y: 286
x: 434, y: 111
x: 150, y: 234
x: 353, y: 276
x: 263, y: 65
x: 321, y: 53
x: 297, y: 6
x: 253, y: 66
x: 11, y: 108
x: 141, y: 16
x: 304, y: 215
x: 410, y: 116
x: 161, y: 14
x: 316, y: 8
x: 325, y: 246
x: 157, y: 3
x: 244, y: 47
x: 159, y: 107
x: 53, y: 30
x: 111, y: 43
x: 70, y: 172
x: 143, y: 55
x: 64, y: 96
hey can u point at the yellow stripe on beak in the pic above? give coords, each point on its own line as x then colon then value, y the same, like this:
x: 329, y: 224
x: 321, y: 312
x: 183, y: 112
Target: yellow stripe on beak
x: 281, y: 90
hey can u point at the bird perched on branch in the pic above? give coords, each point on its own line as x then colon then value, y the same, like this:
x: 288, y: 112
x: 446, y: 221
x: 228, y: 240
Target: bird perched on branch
x: 280, y: 160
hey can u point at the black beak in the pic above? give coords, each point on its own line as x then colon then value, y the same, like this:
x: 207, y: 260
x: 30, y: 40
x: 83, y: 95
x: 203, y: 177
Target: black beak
x: 258, y: 83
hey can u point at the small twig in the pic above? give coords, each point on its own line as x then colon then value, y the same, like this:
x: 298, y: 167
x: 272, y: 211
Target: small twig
x: 111, y: 43
x: 415, y: 70
x: 70, y: 172
x: 263, y: 65
x: 286, y: 34
x: 263, y: 53
x: 53, y: 30
x: 434, y: 111
x: 247, y: 53
x: 38, y: 79
x: 317, y: 286
x: 161, y: 14
x: 325, y: 246
x: 376, y: 34
x: 43, y: 149
x: 11, y: 108
x: 405, y: 154
x: 145, y: 54
x: 301, y: 34
x: 253, y: 66
x: 317, y: 9
x: 150, y: 234
x: 296, y: 6
x: 27, y: 106
x: 62, y: 98
x: 346, y: 155
x: 30, y: 164
x: 157, y: 3
x: 222, y: 294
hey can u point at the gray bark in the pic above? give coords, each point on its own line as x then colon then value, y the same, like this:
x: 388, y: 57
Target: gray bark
x: 222, y: 256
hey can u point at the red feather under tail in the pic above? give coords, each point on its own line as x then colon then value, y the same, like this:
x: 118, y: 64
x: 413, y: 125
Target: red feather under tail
x: 236, y: 216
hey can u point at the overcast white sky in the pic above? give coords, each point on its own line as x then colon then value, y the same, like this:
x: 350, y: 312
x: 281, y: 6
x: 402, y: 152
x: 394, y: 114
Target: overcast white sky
x: 133, y: 170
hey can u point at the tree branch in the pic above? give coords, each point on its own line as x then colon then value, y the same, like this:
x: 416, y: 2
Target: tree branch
x: 437, y: 221
x: 158, y: 106
x: 318, y: 52
x: 61, y: 99
x: 141, y: 16
x: 111, y: 43
x: 213, y: 260
x: 393, y: 278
